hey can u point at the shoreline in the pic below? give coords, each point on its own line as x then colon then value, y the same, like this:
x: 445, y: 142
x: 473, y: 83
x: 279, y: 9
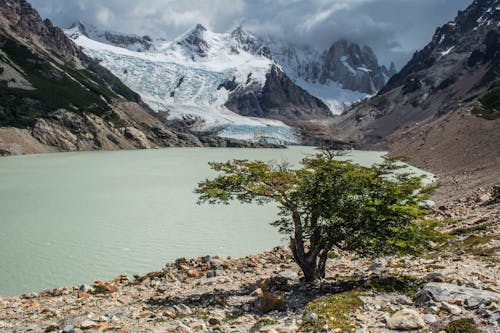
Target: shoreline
x: 213, y: 294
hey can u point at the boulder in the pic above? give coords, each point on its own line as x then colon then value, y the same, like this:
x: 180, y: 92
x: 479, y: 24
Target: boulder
x: 272, y: 302
x: 406, y: 320
x: 445, y: 292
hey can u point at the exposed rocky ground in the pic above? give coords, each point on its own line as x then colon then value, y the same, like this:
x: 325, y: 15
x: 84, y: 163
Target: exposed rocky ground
x: 462, y: 148
x: 455, y: 285
x: 459, y: 65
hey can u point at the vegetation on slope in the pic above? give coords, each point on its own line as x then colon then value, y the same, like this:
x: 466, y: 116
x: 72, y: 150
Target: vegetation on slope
x: 64, y: 87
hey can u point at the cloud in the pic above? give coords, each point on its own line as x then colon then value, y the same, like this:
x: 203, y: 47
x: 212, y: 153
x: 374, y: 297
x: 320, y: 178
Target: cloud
x: 393, y: 28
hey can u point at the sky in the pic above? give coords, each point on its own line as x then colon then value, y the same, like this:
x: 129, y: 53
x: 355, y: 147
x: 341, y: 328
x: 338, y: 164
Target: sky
x: 395, y: 29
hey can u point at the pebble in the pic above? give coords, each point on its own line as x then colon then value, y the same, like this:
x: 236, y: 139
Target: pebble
x: 88, y: 324
x: 69, y: 329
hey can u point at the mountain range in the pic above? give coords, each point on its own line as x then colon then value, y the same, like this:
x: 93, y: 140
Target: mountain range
x: 84, y: 88
x: 243, y: 85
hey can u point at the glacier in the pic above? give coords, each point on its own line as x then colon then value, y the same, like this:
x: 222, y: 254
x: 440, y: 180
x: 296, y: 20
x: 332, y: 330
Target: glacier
x: 178, y: 80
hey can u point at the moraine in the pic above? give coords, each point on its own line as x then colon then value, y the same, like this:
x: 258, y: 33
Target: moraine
x: 71, y: 218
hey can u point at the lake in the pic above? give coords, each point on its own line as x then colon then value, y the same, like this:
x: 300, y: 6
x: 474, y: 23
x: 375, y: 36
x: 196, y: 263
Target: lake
x: 72, y: 218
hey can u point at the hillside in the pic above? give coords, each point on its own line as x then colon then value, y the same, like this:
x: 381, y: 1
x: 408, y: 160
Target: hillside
x: 55, y: 98
x: 441, y: 111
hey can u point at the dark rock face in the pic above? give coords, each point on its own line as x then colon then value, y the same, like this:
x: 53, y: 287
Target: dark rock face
x: 138, y: 43
x: 242, y: 40
x: 458, y: 66
x: 26, y: 22
x: 196, y: 42
x: 355, y: 67
x: 352, y: 66
x: 279, y: 99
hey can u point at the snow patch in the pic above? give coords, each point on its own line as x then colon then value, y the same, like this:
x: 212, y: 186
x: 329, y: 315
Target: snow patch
x: 445, y: 53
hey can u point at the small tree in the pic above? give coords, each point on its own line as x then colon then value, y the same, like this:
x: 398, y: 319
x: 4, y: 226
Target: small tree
x: 330, y: 204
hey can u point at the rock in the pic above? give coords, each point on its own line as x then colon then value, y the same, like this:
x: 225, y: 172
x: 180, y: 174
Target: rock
x: 183, y: 309
x: 182, y: 329
x: 271, y: 330
x: 311, y: 317
x: 214, y: 321
x: 52, y: 328
x: 430, y: 318
x: 289, y: 275
x: 101, y: 287
x: 434, y: 277
x: 83, y: 295
x: 138, y: 137
x: 88, y: 324
x: 272, y: 302
x: 406, y: 320
x: 445, y: 292
x: 85, y: 288
x: 193, y: 273
x: 68, y: 329
x: 451, y: 308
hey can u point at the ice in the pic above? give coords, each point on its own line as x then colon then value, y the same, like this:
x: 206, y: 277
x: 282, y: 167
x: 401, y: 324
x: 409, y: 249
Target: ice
x: 178, y: 80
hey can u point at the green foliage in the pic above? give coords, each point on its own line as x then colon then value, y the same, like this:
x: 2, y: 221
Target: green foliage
x: 407, y: 285
x: 491, y: 105
x: 75, y: 90
x: 330, y: 203
x: 335, y: 311
x: 465, y: 325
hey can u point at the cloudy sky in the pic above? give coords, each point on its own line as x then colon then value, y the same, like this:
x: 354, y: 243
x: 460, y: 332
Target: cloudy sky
x: 393, y: 28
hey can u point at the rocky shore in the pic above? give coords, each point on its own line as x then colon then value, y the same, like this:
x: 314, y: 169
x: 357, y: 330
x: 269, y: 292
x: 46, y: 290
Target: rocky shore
x: 452, y: 287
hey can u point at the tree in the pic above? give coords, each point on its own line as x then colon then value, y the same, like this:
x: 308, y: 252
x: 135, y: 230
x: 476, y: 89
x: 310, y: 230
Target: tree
x: 329, y: 203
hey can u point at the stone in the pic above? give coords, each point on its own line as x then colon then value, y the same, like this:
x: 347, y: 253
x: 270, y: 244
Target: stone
x: 214, y: 321
x: 451, y: 308
x: 182, y: 329
x: 430, y: 318
x: 69, y: 329
x: 311, y: 317
x: 183, y: 309
x: 88, y: 324
x: 193, y: 273
x: 405, y: 320
x: 83, y: 295
x: 289, y: 275
x: 52, y: 328
x: 272, y: 302
x: 445, y: 292
x: 434, y: 277
x: 85, y: 288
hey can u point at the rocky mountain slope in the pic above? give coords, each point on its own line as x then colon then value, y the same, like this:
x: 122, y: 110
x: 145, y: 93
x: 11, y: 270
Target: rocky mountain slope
x: 342, y: 74
x: 442, y: 111
x: 460, y: 65
x: 53, y: 97
x: 226, y: 82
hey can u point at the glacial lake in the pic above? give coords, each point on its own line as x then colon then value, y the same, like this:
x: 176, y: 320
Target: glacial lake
x: 72, y: 218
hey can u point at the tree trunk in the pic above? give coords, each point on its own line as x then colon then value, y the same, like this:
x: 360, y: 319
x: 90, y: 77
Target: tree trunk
x: 313, y: 262
x: 308, y: 262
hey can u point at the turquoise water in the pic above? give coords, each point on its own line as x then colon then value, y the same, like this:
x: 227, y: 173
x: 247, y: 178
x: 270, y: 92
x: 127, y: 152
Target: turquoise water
x: 72, y: 218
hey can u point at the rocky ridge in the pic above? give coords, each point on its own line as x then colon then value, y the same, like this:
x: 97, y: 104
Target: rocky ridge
x: 352, y: 66
x: 458, y: 67
x: 456, y: 285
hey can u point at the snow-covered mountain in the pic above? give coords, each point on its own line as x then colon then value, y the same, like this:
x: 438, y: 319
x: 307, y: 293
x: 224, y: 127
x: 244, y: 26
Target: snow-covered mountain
x: 246, y: 86
x: 343, y: 74
x: 209, y: 80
